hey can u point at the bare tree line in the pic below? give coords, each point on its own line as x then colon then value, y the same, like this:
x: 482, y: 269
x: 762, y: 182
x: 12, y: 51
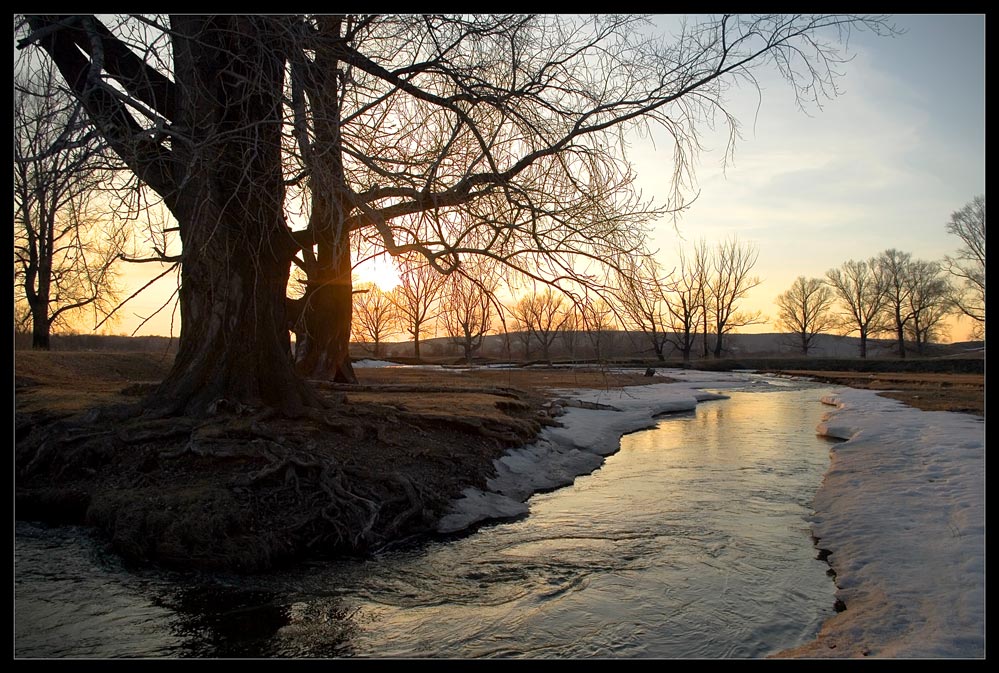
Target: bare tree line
x: 893, y: 293
x: 889, y: 294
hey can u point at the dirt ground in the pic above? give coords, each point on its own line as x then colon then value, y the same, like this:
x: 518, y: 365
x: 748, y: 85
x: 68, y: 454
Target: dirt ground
x: 247, y: 491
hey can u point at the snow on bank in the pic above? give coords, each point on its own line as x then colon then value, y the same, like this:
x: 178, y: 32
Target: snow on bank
x: 373, y: 364
x: 579, y: 447
x: 902, y: 509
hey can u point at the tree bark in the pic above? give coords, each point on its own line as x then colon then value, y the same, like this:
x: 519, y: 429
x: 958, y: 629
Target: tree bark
x: 328, y: 307
x: 234, y: 341
x: 40, y: 328
x: 327, y: 311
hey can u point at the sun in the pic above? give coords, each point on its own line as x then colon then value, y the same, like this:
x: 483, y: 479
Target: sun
x: 380, y: 271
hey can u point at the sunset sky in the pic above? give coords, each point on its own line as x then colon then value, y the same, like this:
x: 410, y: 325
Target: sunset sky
x: 881, y: 166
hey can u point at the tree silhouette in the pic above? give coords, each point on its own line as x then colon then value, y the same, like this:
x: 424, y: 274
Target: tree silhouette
x: 968, y: 265
x: 804, y: 311
x: 64, y: 247
x: 861, y: 288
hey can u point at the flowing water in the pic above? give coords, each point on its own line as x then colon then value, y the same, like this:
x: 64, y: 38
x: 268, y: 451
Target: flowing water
x: 692, y: 541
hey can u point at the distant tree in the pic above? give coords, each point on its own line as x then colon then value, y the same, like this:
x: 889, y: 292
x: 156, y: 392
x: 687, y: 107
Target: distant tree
x: 930, y: 301
x: 729, y: 281
x: 65, y: 246
x: 641, y: 300
x: 969, y: 264
x: 469, y: 308
x: 862, y: 290
x: 597, y: 319
x: 685, y: 299
x: 895, y: 265
x: 804, y: 311
x: 571, y: 330
x: 543, y: 314
x: 417, y: 297
x: 375, y: 317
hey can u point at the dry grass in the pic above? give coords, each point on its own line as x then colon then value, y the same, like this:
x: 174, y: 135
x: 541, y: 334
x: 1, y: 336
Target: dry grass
x: 70, y: 381
x: 930, y: 391
x: 530, y: 380
x: 65, y: 382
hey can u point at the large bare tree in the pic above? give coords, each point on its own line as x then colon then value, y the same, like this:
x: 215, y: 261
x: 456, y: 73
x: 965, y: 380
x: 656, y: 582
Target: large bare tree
x: 685, y: 298
x: 729, y: 281
x: 375, y: 317
x: 804, y: 311
x: 642, y: 304
x: 543, y: 315
x: 597, y: 319
x: 861, y: 288
x: 65, y: 243
x: 930, y: 299
x: 895, y: 265
x: 968, y: 265
x: 440, y: 135
x: 470, y: 308
x: 417, y: 298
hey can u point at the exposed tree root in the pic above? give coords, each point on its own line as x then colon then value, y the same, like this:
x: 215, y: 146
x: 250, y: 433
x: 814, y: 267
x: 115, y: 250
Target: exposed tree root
x: 408, y: 388
x: 247, y: 488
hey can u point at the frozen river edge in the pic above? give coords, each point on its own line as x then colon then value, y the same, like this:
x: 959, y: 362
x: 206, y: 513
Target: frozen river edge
x: 589, y: 434
x: 901, y: 508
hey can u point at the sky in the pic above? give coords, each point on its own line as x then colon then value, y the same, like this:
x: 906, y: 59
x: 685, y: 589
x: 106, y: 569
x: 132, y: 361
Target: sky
x: 923, y: 599
x: 882, y: 165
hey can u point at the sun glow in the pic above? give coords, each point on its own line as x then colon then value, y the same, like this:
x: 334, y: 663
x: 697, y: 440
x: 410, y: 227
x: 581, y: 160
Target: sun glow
x: 380, y: 271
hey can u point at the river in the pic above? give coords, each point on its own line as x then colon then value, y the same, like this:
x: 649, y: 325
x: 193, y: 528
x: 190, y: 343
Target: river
x: 692, y: 541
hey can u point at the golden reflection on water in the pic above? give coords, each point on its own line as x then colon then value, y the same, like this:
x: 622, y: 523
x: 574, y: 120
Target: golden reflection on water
x: 750, y: 426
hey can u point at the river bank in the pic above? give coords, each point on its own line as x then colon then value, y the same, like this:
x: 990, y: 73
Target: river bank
x: 923, y: 598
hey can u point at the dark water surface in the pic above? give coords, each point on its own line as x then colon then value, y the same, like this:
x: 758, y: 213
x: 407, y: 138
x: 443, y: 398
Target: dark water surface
x: 691, y: 541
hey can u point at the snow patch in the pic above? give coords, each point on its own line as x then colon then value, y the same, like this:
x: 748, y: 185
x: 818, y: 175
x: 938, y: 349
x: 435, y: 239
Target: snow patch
x: 373, y: 364
x: 902, y: 509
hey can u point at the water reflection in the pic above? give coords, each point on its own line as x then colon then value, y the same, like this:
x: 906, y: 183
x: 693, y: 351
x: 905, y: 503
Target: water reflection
x: 230, y: 622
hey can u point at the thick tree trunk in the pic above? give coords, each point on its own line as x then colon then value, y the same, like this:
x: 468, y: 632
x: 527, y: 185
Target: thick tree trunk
x: 234, y: 341
x: 40, y: 327
x: 863, y: 343
x: 328, y: 309
x: 326, y: 316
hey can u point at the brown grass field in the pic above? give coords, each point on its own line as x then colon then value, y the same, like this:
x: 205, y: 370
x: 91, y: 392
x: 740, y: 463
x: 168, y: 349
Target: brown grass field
x: 928, y: 391
x: 67, y: 381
